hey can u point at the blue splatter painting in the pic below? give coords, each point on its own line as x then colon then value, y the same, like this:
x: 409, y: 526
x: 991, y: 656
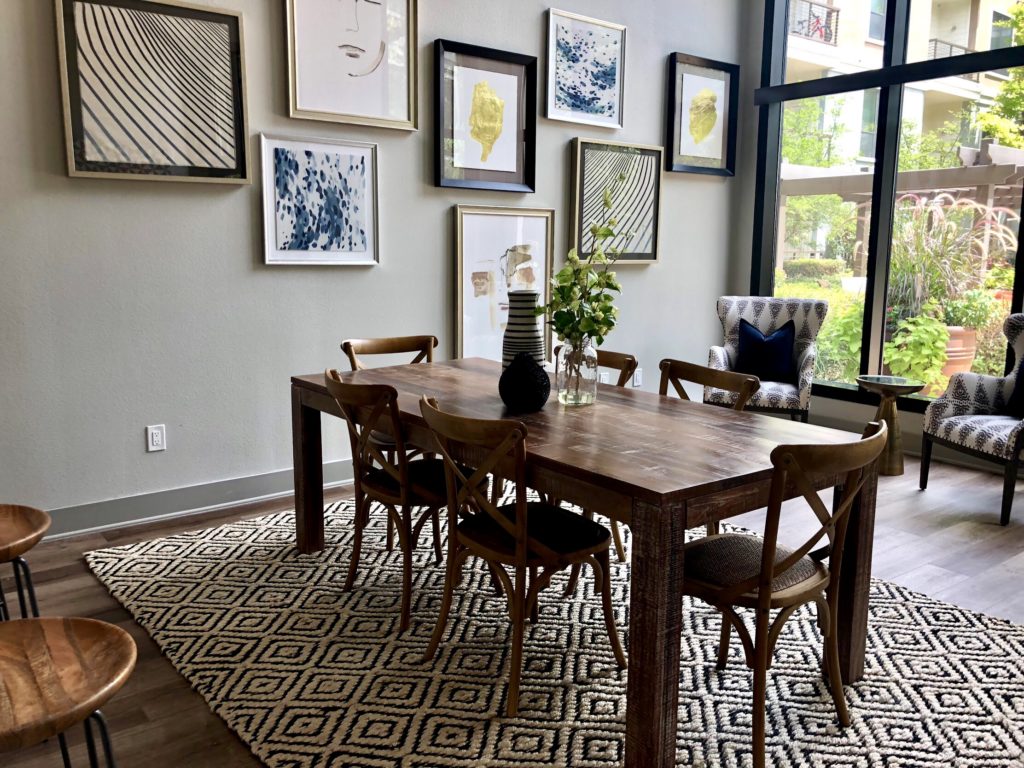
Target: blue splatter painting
x: 587, y: 69
x: 320, y: 201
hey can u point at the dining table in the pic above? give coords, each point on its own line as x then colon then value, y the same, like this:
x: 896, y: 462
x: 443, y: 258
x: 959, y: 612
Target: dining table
x: 660, y: 465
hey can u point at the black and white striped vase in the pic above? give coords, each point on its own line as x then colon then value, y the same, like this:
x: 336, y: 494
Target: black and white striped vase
x: 523, y: 332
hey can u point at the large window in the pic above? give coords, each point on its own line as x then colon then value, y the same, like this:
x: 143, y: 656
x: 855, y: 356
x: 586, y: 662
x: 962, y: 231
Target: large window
x: 895, y: 191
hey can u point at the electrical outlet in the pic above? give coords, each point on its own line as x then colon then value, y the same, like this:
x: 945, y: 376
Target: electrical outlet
x: 638, y: 377
x: 602, y: 377
x: 156, y: 438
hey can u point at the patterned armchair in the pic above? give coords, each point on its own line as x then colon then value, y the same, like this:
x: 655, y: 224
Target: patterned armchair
x: 970, y: 417
x: 768, y: 314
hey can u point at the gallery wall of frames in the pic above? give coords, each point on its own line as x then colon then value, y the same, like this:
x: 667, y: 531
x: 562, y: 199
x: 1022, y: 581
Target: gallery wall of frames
x: 157, y: 91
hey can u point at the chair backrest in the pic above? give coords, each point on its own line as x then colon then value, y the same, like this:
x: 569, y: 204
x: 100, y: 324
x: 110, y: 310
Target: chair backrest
x: 1013, y: 330
x: 369, y: 408
x: 474, y: 448
x: 423, y: 346
x: 795, y: 468
x: 625, y: 364
x: 768, y: 314
x: 675, y: 372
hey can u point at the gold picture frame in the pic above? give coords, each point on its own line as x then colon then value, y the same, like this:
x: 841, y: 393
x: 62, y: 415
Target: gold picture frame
x: 136, y: 137
x: 476, y: 227
x: 303, y: 110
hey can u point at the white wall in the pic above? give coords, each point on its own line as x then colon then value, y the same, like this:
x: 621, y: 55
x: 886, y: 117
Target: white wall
x: 126, y: 303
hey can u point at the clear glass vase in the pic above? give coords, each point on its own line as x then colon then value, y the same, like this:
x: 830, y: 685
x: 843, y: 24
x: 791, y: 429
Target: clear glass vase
x: 576, y: 373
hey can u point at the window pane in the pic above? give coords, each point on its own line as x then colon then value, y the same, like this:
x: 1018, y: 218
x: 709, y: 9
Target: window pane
x: 824, y: 212
x: 955, y: 231
x: 943, y: 28
x: 833, y: 38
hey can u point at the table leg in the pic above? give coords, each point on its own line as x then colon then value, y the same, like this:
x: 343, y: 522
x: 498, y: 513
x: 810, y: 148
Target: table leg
x: 307, y: 453
x: 655, y: 621
x: 891, y: 461
x: 855, y: 580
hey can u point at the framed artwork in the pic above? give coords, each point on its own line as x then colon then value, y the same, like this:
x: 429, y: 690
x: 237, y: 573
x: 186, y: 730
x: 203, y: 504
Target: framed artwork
x: 353, y: 61
x: 485, y: 118
x: 319, y: 201
x: 153, y: 90
x: 700, y: 134
x: 497, y: 250
x: 586, y: 69
x: 632, y: 173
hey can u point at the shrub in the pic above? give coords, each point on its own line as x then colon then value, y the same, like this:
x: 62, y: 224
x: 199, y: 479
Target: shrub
x: 918, y: 348
x: 813, y: 269
x: 1000, y: 278
x: 971, y: 310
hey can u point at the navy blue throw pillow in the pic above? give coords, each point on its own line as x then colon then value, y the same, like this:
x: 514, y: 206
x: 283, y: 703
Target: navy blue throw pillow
x: 770, y: 357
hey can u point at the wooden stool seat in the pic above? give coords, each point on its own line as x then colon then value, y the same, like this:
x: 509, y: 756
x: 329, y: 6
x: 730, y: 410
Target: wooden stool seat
x: 57, y: 672
x: 21, y: 528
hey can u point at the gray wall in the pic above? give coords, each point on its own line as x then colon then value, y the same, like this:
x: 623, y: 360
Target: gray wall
x: 126, y: 303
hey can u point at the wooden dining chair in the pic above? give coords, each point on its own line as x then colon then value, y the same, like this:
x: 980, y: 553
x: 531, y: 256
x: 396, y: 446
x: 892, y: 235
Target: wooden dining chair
x: 626, y: 365
x: 534, y: 539
x: 423, y: 346
x: 675, y: 372
x: 388, y: 477
x: 733, y: 571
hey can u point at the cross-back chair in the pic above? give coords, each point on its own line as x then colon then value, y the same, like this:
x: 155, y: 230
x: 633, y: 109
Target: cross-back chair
x: 675, y: 372
x: 534, y: 539
x: 423, y: 346
x: 387, y: 476
x: 733, y: 571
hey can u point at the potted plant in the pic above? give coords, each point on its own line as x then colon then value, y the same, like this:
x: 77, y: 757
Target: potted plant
x: 582, y: 313
x: 964, y: 315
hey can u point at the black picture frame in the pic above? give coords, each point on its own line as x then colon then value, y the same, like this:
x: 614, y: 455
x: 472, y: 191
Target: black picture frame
x: 680, y: 65
x: 447, y: 56
x: 596, y: 165
x: 116, y: 117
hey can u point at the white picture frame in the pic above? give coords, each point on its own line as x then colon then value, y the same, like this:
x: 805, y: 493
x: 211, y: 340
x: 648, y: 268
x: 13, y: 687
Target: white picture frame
x: 498, y: 249
x: 334, y: 223
x: 353, y: 62
x: 588, y: 87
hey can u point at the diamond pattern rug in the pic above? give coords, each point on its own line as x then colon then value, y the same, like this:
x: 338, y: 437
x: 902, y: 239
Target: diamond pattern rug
x: 309, y: 675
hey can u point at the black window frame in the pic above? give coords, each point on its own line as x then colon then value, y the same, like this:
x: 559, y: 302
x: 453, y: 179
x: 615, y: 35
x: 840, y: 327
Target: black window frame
x: 895, y: 73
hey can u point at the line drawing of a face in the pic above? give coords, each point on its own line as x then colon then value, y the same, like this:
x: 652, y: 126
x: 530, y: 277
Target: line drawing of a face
x: 363, y: 43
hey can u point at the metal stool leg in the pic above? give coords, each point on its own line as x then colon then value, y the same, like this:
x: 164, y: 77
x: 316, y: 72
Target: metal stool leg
x: 23, y: 581
x: 101, y: 724
x: 5, y: 613
x: 65, y: 755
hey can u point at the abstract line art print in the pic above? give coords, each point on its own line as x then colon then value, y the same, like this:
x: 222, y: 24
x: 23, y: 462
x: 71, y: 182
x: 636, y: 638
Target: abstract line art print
x: 153, y: 90
x: 586, y: 62
x: 320, y: 202
x: 353, y: 61
x: 632, y: 173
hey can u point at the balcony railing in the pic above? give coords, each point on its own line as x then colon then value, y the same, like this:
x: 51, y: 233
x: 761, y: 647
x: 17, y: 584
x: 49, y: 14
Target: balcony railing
x: 940, y: 49
x: 814, y: 21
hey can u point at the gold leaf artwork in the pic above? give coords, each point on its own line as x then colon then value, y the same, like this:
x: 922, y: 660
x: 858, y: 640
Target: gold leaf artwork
x: 703, y: 114
x: 486, y: 117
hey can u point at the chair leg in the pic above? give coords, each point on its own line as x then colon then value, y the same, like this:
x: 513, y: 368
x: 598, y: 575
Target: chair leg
x: 451, y: 569
x: 760, y: 687
x: 362, y: 512
x: 604, y: 584
x: 65, y: 755
x: 5, y: 613
x: 535, y: 608
x: 436, y: 515
x: 723, y: 642
x: 926, y: 460
x: 407, y: 544
x: 97, y: 719
x: 1009, y: 484
x: 712, y: 528
x: 620, y: 549
x: 23, y: 582
x: 835, y: 676
x: 574, y: 571
x: 515, y: 669
x: 389, y: 541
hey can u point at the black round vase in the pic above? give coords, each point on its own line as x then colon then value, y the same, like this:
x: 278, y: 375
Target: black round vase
x: 524, y: 386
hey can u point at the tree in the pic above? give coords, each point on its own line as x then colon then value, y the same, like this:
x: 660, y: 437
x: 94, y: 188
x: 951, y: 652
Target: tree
x: 811, y: 133
x: 1003, y: 120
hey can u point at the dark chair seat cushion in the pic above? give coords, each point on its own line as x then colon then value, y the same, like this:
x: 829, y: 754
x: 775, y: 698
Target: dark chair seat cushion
x: 426, y: 479
x: 770, y: 357
x: 562, y: 531
x: 729, y: 559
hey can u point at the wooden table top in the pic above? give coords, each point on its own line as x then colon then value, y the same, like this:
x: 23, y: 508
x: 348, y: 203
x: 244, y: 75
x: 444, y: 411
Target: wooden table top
x: 646, y: 446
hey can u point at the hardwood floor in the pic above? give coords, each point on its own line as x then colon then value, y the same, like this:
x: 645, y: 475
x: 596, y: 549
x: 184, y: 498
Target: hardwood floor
x: 945, y: 542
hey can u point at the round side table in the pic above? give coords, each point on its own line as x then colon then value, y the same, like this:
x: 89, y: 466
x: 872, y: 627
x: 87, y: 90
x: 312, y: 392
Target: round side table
x: 889, y: 388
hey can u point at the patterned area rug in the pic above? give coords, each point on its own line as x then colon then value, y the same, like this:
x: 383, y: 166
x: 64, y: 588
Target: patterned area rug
x: 308, y: 675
